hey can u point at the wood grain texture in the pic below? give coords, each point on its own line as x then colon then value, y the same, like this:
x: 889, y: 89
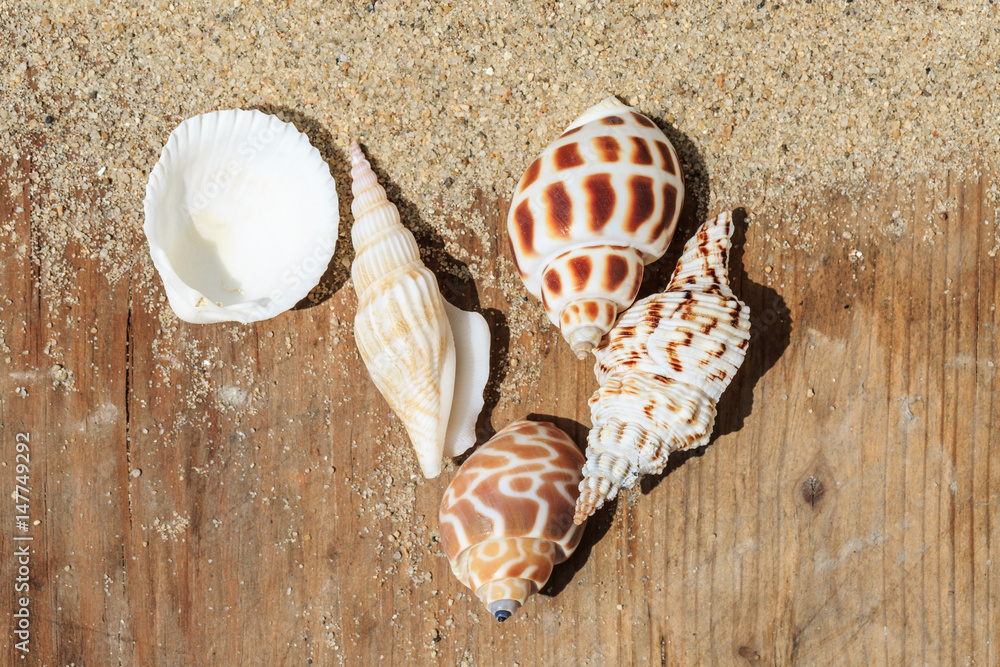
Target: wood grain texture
x: 242, y: 495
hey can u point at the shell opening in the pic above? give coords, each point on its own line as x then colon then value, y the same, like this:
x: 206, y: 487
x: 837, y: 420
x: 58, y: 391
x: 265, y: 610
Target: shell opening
x: 239, y: 235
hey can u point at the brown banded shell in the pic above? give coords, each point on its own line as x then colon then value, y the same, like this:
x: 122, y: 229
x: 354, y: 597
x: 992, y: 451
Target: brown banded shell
x: 598, y: 204
x: 507, y: 517
x: 662, y: 369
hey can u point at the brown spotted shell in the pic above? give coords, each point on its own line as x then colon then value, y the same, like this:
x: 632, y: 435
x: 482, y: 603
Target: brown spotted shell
x: 507, y: 517
x: 598, y: 204
x: 662, y: 369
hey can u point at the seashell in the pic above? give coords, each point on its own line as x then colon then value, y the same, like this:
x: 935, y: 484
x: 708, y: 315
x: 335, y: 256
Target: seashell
x: 662, y: 369
x: 429, y: 359
x: 507, y: 517
x: 600, y: 203
x: 241, y: 217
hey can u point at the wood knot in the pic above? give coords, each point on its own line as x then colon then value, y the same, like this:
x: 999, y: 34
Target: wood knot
x: 748, y: 654
x: 812, y: 490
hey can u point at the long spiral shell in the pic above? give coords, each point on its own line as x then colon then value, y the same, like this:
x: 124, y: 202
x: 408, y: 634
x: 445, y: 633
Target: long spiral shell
x: 507, y: 517
x: 596, y: 206
x: 429, y: 359
x: 663, y: 368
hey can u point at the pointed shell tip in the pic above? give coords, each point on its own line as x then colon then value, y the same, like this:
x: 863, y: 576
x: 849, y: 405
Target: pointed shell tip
x: 357, y: 155
x: 584, y: 339
x: 584, y: 509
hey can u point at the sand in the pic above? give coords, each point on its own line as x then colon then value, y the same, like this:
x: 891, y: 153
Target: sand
x: 454, y: 99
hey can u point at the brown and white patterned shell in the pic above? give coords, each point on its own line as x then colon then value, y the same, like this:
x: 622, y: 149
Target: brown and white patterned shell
x: 598, y: 204
x: 507, y: 517
x: 663, y: 368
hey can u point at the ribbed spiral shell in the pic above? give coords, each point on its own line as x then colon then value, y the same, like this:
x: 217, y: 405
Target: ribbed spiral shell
x: 596, y: 206
x: 507, y: 517
x: 418, y: 349
x: 663, y: 368
x: 381, y: 243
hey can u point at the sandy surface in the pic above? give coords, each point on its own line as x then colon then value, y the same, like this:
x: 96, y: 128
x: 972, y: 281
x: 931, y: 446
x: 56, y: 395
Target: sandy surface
x: 766, y: 105
x: 450, y: 99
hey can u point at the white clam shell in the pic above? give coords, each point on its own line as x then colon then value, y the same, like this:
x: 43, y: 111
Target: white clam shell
x: 241, y: 217
x: 663, y: 368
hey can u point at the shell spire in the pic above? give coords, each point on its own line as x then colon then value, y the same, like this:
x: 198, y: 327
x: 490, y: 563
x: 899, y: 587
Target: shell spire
x: 377, y: 229
x: 589, y: 213
x: 662, y: 369
x: 429, y: 359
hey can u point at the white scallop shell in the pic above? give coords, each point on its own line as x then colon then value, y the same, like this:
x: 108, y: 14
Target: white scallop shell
x: 589, y: 213
x: 662, y: 369
x: 241, y: 217
x: 429, y: 359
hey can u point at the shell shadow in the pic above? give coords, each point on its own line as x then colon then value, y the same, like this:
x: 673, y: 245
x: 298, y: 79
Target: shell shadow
x: 339, y: 269
x: 649, y: 482
x: 694, y: 211
x: 597, y: 526
x: 458, y: 287
x: 770, y: 336
x: 499, y: 345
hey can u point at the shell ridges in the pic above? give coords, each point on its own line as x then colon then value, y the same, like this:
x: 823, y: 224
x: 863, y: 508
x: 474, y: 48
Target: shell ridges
x: 662, y: 369
x: 403, y: 330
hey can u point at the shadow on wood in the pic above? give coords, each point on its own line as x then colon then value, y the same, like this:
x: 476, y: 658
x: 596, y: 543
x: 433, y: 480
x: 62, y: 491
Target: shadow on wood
x: 499, y: 346
x: 595, y: 530
x: 649, y: 482
x: 768, y: 315
x: 770, y: 335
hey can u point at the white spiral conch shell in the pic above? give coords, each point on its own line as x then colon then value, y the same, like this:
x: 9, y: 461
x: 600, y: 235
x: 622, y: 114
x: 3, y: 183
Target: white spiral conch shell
x: 662, y: 370
x: 429, y: 359
x: 507, y: 517
x: 598, y: 204
x: 241, y: 217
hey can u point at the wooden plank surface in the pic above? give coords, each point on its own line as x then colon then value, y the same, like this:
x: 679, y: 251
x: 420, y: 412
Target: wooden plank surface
x: 237, y: 494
